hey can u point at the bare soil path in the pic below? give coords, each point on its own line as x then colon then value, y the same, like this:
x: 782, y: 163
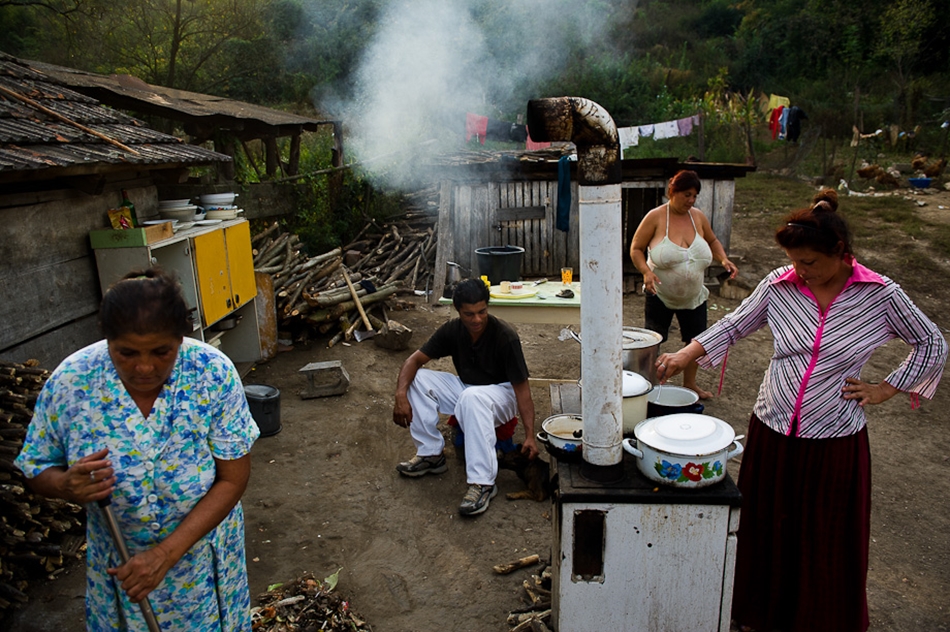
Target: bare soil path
x: 324, y: 494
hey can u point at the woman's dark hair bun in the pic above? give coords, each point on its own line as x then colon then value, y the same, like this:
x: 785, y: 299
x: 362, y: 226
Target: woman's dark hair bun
x: 826, y: 200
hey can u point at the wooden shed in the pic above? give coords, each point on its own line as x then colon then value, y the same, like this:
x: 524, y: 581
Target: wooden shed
x: 64, y: 160
x: 513, y: 201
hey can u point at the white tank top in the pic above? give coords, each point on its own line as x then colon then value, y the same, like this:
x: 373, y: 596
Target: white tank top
x: 681, y: 271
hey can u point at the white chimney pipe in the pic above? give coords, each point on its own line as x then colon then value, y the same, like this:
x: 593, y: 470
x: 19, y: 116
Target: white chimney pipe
x: 591, y: 128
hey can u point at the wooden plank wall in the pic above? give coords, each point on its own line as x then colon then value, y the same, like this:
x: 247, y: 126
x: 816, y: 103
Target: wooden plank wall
x: 524, y: 213
x: 716, y: 200
x: 49, y: 287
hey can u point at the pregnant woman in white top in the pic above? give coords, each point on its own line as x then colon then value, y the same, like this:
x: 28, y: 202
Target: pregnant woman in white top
x: 672, y: 248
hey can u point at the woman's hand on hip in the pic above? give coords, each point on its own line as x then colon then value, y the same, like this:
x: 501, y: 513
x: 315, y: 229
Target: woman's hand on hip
x: 866, y: 392
x: 142, y: 573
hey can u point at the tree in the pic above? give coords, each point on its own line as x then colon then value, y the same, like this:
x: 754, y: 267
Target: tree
x: 903, y: 25
x: 173, y: 43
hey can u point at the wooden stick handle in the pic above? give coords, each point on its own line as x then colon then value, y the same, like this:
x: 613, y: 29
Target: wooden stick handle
x: 45, y: 110
x: 356, y: 299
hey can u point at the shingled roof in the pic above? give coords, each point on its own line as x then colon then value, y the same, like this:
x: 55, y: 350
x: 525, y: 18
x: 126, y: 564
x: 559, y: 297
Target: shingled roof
x: 49, y: 130
x: 202, y: 114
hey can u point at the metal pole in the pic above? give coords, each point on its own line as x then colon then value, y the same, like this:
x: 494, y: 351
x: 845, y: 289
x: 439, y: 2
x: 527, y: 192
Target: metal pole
x: 112, y: 523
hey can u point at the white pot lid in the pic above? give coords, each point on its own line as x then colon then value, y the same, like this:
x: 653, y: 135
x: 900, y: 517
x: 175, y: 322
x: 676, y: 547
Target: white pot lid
x: 688, y: 434
x: 635, y: 384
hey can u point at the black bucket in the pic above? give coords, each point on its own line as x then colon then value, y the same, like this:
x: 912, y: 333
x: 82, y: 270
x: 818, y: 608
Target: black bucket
x: 500, y: 263
x: 264, y: 402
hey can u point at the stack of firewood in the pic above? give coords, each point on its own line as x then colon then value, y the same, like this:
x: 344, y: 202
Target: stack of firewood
x: 535, y: 616
x: 335, y: 290
x: 36, y: 533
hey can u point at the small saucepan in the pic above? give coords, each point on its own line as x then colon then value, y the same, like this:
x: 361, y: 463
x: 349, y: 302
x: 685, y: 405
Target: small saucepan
x: 562, y: 436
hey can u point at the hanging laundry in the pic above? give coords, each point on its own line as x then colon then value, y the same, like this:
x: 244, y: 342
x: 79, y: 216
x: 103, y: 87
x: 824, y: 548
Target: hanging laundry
x: 531, y: 144
x: 563, y: 218
x: 687, y: 124
x: 497, y: 130
x: 782, y: 122
x: 777, y: 101
x: 646, y: 130
x: 628, y: 137
x: 476, y: 126
x: 517, y: 133
x: 774, y: 121
x: 793, y: 127
x: 666, y: 129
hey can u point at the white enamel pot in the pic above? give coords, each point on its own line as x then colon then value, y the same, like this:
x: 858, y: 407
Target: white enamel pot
x: 636, y: 390
x: 564, y: 433
x: 683, y: 450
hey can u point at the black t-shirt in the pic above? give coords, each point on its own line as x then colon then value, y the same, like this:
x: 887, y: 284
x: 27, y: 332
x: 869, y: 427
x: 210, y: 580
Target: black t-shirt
x: 494, y: 359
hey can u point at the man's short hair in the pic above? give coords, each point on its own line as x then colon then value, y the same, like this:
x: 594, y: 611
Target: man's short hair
x: 470, y: 291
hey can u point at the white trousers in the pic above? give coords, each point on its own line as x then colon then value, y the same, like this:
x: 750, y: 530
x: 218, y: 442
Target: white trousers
x: 478, y: 409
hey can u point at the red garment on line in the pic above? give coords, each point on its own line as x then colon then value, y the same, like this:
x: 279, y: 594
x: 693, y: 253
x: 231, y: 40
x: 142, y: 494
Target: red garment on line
x: 774, y: 124
x: 477, y: 126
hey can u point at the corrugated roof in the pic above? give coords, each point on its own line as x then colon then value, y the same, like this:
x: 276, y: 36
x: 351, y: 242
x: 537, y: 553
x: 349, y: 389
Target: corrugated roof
x: 34, y: 137
x: 245, y: 119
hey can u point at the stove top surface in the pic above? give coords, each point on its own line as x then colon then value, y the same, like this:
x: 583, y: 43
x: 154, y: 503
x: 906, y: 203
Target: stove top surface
x: 634, y: 487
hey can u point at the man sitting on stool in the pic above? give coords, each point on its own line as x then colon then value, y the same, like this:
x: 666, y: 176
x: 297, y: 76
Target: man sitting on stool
x: 490, y: 389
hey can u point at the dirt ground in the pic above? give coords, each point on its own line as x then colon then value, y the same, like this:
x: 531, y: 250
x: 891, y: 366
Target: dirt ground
x: 324, y: 494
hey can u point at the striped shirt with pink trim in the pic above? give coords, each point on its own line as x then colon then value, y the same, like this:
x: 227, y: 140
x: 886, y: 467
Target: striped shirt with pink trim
x: 814, y: 352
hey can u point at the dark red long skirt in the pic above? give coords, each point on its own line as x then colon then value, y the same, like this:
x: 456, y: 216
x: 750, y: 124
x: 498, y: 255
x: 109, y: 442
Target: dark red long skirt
x: 802, y: 559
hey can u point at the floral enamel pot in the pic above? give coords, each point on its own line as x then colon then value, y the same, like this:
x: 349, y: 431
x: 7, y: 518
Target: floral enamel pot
x: 562, y: 435
x: 683, y: 450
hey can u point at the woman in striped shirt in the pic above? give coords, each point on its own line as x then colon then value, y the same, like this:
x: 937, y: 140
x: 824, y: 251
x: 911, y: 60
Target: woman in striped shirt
x: 806, y: 479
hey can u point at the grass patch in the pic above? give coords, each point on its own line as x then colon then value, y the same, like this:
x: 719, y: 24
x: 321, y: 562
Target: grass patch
x: 773, y: 194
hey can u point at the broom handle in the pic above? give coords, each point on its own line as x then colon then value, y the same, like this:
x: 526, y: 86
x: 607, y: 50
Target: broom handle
x: 113, y: 525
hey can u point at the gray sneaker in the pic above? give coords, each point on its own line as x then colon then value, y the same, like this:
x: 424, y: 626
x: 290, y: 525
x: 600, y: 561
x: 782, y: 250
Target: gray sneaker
x: 420, y: 465
x: 476, y: 499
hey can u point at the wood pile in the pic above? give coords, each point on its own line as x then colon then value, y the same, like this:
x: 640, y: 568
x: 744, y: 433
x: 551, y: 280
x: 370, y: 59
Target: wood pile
x: 303, y: 605
x: 37, y: 534
x: 333, y: 291
x: 535, y: 616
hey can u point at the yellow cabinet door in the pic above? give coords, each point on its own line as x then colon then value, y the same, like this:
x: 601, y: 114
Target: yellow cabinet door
x: 241, y: 263
x: 211, y: 267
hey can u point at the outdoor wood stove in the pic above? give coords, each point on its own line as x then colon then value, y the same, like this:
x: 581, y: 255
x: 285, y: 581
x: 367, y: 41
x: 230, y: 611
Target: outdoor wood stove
x: 628, y: 555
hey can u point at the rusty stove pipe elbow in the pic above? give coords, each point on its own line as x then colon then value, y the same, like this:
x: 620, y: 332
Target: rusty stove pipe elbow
x: 587, y: 125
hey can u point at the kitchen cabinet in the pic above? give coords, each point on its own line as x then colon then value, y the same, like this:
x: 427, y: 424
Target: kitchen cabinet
x: 215, y: 267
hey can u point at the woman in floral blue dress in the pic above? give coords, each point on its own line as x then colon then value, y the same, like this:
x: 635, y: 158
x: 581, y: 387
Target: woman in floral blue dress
x: 158, y: 422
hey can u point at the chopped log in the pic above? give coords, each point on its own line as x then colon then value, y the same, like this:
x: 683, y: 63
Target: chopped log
x: 265, y: 233
x: 323, y: 315
x: 510, y: 567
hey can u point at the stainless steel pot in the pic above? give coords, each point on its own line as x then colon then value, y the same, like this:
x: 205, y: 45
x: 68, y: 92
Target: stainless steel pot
x: 683, y: 450
x: 640, y: 350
